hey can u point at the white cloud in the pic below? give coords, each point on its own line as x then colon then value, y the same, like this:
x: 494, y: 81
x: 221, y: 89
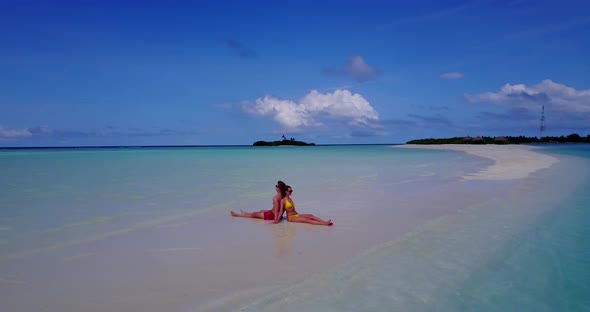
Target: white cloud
x: 360, y: 70
x: 341, y: 106
x: 551, y: 94
x: 14, y: 133
x: 451, y: 75
x: 355, y: 68
x: 287, y: 113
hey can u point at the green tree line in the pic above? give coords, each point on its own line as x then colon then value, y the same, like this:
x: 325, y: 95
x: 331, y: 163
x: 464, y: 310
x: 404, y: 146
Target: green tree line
x: 572, y: 138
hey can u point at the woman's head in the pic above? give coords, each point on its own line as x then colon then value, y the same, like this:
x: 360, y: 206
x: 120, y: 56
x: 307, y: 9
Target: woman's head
x: 282, y: 187
x: 288, y: 189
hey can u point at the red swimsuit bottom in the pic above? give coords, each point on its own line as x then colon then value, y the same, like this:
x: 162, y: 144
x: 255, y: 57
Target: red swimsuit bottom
x: 268, y: 215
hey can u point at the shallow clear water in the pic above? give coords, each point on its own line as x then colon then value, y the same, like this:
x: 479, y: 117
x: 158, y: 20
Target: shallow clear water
x: 61, y: 197
x: 529, y: 251
x: 514, y: 245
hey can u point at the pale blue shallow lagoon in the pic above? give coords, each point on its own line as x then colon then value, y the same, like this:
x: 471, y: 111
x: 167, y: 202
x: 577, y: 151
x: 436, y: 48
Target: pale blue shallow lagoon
x: 148, y: 229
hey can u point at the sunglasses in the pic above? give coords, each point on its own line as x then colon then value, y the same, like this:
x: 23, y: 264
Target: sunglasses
x: 290, y: 191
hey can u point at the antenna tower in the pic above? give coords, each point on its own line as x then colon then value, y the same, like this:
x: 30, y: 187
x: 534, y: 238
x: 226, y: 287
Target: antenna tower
x: 542, y: 120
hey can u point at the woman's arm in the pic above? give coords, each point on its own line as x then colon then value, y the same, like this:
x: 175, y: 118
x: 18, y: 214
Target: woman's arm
x: 276, y: 202
x: 279, y: 215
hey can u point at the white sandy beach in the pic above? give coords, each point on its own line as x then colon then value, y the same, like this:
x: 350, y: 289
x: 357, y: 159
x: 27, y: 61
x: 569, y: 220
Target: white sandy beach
x: 511, y: 161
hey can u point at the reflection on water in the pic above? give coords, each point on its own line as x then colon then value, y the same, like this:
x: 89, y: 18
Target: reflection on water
x: 282, y: 236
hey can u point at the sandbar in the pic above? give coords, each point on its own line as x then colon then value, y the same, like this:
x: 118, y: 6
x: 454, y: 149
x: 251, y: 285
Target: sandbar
x: 511, y: 161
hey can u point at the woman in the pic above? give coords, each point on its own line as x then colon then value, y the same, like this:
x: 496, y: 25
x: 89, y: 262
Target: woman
x: 266, y: 214
x: 288, y: 205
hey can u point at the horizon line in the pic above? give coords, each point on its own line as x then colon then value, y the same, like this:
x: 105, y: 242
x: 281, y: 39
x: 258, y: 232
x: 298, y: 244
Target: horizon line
x: 176, y: 146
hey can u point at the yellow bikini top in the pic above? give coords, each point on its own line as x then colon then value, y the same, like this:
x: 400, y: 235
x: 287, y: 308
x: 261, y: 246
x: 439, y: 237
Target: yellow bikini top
x: 288, y: 204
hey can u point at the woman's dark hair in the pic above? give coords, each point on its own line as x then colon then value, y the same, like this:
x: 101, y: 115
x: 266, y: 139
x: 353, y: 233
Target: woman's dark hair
x: 283, y: 188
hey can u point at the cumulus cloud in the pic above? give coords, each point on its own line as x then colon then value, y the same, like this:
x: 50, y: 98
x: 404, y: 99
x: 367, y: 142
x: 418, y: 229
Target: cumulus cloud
x: 566, y: 109
x: 355, y: 68
x: 553, y: 95
x: 14, y: 133
x: 317, y: 109
x: 451, y: 75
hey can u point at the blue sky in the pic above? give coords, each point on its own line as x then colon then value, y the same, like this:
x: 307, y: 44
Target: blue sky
x: 234, y: 72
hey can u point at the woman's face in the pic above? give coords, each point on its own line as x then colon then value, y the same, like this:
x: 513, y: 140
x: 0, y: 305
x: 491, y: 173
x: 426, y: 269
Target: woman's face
x: 289, y: 191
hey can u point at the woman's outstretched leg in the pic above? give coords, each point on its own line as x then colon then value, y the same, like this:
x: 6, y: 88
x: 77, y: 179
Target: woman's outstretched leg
x: 310, y: 216
x: 245, y: 214
x: 303, y: 219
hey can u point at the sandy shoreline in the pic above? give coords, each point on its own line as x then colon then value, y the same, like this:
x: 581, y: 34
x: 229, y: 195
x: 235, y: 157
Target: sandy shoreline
x: 511, y: 161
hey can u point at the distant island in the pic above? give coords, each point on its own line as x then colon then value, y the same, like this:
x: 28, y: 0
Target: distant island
x: 572, y: 138
x: 284, y: 141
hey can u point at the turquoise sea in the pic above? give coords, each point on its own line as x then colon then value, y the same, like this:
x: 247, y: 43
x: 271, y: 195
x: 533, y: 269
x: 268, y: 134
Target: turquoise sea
x: 437, y: 242
x: 529, y: 251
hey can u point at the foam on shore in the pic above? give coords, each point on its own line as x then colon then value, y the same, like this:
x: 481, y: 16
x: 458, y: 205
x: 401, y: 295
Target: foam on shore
x: 511, y: 161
